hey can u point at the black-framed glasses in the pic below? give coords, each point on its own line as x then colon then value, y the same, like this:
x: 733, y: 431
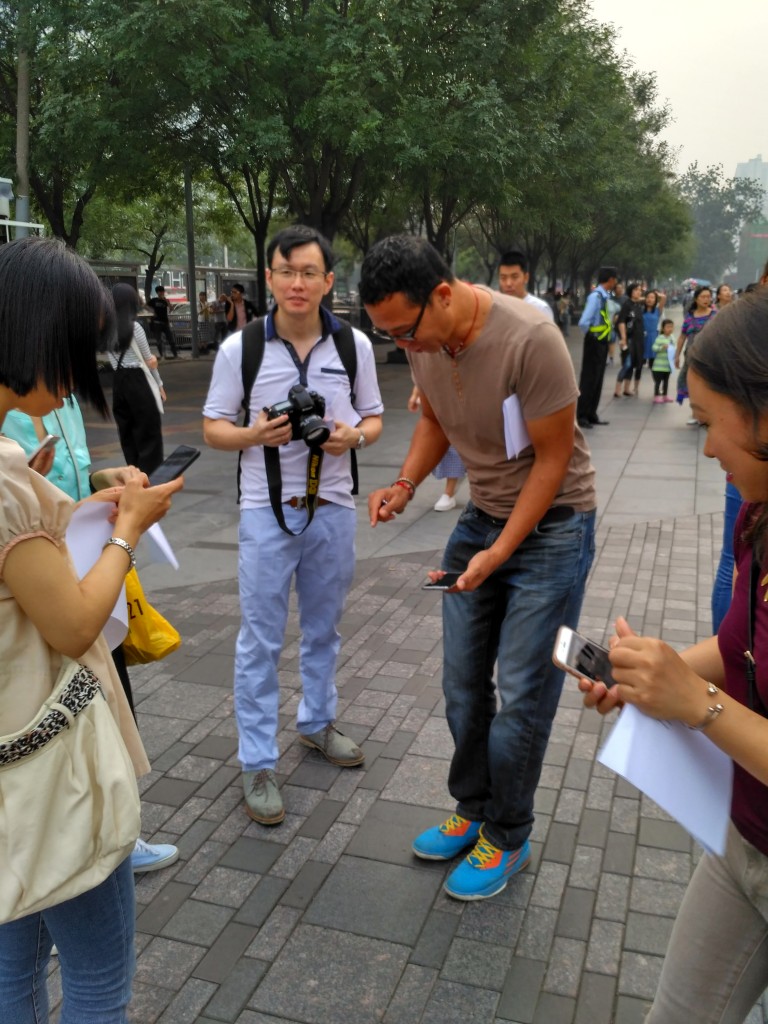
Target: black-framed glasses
x: 310, y: 275
x: 410, y: 334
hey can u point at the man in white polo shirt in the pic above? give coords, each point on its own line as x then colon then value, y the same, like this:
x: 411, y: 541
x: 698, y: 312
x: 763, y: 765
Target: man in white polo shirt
x: 306, y: 528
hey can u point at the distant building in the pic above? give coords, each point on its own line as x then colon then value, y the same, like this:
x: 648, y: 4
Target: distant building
x: 756, y: 168
x: 753, y: 238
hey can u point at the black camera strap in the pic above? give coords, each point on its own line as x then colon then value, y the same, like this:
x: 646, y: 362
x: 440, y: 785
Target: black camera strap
x: 275, y: 485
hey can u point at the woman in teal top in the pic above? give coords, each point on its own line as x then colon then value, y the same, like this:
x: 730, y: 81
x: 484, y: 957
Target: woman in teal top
x: 71, y: 460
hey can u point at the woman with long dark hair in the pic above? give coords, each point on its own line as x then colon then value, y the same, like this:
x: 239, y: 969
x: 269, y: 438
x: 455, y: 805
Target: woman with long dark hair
x: 54, y: 316
x: 716, y: 965
x: 136, y: 403
x: 631, y: 341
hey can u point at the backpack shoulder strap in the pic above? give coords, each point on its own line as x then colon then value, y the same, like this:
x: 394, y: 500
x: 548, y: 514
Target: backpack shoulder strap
x: 344, y: 340
x: 254, y: 339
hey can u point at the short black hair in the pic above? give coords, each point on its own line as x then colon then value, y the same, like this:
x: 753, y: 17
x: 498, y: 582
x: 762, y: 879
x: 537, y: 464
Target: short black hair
x: 160, y: 288
x: 55, y: 315
x: 606, y: 273
x: 238, y: 286
x: 665, y: 322
x: 514, y: 258
x: 300, y: 234
x: 402, y: 263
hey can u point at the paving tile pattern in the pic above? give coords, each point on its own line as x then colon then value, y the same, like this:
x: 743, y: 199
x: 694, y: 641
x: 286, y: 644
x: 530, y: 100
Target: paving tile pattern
x: 329, y: 917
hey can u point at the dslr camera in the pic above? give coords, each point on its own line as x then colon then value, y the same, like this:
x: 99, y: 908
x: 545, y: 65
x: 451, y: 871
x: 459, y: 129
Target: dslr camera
x: 305, y: 411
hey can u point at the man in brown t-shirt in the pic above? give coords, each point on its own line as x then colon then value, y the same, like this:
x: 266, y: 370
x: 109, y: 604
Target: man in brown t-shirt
x: 496, y: 382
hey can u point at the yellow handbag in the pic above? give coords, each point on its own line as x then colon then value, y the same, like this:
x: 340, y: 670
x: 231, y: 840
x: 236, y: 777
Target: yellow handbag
x: 150, y: 636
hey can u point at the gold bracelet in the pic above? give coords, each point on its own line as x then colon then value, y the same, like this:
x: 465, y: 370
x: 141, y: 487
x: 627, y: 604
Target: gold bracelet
x: 712, y: 712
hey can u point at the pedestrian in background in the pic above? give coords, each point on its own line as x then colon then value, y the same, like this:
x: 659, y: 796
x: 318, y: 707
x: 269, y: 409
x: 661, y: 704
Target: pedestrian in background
x: 136, y: 403
x: 661, y: 368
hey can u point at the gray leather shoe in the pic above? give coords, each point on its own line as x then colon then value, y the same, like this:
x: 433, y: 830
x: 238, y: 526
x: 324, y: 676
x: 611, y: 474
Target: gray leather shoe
x: 263, y: 802
x: 334, y: 746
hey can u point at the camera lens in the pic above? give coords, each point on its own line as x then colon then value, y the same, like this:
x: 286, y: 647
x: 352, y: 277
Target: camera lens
x: 313, y: 430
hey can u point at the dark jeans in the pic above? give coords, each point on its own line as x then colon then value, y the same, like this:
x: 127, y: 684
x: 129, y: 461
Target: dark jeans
x: 593, y: 360
x: 160, y: 331
x: 510, y: 621
x: 625, y: 371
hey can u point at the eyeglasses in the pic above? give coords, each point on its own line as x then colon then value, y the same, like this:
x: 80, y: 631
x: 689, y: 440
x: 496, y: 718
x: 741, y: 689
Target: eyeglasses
x: 409, y: 335
x: 287, y: 274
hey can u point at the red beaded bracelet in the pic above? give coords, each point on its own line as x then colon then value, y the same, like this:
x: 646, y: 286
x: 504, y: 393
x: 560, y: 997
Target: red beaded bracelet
x: 409, y: 485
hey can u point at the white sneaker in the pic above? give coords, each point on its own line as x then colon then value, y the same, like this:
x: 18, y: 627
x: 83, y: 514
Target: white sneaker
x: 152, y: 856
x: 445, y: 503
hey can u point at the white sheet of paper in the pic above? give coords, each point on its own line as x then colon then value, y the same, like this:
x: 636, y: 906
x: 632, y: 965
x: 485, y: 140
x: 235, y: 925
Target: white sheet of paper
x: 88, y: 531
x: 679, y: 768
x: 159, y: 548
x: 515, y: 435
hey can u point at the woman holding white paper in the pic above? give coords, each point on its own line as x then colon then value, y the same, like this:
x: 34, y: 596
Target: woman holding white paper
x: 717, y: 961
x: 53, y: 316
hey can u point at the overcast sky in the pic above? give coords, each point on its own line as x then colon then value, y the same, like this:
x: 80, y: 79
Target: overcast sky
x: 711, y: 66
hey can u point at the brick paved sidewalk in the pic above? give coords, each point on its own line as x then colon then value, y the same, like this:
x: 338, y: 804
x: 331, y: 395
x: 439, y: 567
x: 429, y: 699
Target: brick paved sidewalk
x: 329, y: 918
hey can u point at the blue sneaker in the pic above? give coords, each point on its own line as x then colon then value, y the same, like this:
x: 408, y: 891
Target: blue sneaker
x: 486, y: 871
x: 444, y: 841
x: 148, y: 857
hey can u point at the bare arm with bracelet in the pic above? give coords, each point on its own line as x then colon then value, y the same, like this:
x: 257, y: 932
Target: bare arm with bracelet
x: 70, y: 613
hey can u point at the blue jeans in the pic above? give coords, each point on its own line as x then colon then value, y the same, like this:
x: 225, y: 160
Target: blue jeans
x: 723, y: 588
x: 94, y: 935
x: 323, y: 561
x: 511, y: 620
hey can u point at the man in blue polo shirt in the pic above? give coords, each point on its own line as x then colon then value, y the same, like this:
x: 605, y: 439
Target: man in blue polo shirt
x: 596, y: 324
x: 317, y: 550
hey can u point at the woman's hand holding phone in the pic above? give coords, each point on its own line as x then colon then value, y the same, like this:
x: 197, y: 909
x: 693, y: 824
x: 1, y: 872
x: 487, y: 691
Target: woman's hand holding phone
x: 140, y: 506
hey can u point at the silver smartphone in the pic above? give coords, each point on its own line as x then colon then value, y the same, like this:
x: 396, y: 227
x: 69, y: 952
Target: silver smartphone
x: 48, y: 443
x: 582, y: 657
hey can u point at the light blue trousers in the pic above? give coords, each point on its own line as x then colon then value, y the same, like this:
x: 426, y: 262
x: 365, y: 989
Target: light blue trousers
x: 322, y: 560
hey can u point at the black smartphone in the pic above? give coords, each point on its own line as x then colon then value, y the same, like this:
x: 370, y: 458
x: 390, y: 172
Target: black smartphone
x: 445, y: 583
x: 176, y: 464
x: 582, y: 657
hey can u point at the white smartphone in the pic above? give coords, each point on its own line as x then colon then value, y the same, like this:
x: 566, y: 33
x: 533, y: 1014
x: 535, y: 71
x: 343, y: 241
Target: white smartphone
x: 582, y: 657
x: 48, y: 443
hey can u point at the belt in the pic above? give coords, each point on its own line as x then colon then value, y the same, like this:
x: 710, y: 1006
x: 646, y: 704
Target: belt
x: 555, y: 514
x: 301, y: 502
